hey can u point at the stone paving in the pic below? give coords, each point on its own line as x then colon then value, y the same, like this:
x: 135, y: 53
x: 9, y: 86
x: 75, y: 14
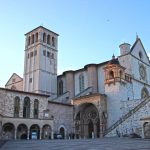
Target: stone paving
x: 93, y: 144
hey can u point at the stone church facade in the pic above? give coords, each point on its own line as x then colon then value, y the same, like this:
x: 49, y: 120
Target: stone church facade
x: 106, y: 99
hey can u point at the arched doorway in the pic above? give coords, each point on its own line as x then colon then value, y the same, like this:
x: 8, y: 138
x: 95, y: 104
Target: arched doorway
x: 146, y: 127
x: 46, y: 132
x: 8, y: 131
x: 34, y: 132
x: 62, y: 132
x: 87, y: 121
x: 90, y: 129
x: 22, y: 131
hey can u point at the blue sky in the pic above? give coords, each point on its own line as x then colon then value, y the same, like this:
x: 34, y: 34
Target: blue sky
x: 90, y: 30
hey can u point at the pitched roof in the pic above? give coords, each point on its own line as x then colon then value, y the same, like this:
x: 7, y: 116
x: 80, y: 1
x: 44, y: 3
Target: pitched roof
x: 14, y: 74
x: 43, y: 28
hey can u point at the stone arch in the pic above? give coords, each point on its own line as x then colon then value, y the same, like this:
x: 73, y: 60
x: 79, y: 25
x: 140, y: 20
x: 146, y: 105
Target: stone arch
x: 8, y: 131
x: 48, y: 39
x: 60, y: 87
x: 62, y: 130
x: 34, y: 131
x: 36, y: 108
x: 144, y: 92
x: 44, y: 37
x: 46, y: 131
x: 111, y: 74
x: 146, y: 127
x: 81, y: 82
x: 29, y: 40
x: 26, y: 107
x: 22, y: 131
x: 32, y: 39
x: 16, y: 106
x: 36, y: 37
x: 53, y: 41
x: 87, y: 121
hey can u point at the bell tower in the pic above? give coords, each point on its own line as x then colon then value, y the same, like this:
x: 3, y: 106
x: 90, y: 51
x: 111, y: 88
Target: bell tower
x: 114, y: 72
x: 40, y: 61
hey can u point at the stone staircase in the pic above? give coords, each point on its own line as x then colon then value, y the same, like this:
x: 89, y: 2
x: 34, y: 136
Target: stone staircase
x: 127, y: 115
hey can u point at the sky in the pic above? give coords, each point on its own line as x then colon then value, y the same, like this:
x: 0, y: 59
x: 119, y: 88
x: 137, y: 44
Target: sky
x: 90, y: 30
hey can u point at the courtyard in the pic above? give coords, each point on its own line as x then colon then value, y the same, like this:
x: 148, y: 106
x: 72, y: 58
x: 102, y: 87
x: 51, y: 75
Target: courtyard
x: 87, y: 144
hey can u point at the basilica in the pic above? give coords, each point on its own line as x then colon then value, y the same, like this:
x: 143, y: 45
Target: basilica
x: 99, y: 100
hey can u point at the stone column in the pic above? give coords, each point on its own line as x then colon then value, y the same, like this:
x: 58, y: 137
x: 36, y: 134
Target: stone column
x: 15, y: 136
x: 101, y: 126
x: 143, y: 135
x: 52, y: 134
x: 95, y: 131
x: 28, y: 133
x: 40, y: 133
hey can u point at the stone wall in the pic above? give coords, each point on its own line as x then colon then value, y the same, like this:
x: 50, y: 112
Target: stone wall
x: 63, y: 116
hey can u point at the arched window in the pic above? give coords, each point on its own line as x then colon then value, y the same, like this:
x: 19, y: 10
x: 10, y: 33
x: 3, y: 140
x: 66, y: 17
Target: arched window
x: 62, y: 132
x: 60, y: 87
x: 26, y: 108
x: 32, y: 39
x: 111, y: 74
x: 44, y: 37
x: 81, y: 82
x: 36, y: 108
x: 16, y: 106
x: 144, y: 93
x: 140, y: 55
x: 36, y: 37
x: 48, y: 39
x: 29, y: 40
x: 53, y: 41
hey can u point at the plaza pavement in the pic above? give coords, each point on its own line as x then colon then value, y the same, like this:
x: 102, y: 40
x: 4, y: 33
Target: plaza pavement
x: 93, y: 144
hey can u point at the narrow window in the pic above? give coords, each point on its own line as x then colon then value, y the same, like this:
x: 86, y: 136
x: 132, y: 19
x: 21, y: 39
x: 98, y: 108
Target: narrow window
x: 16, y: 106
x: 30, y: 80
x: 111, y: 74
x: 44, y: 52
x: 81, y: 82
x: 36, y: 108
x: 36, y: 37
x: 48, y: 54
x: 35, y: 52
x: 31, y: 54
x: 53, y: 41
x: 140, y: 55
x: 48, y: 39
x: 52, y: 56
x: 29, y: 40
x: 44, y: 37
x: 60, y: 87
x: 26, y: 108
x: 144, y: 93
x: 32, y: 39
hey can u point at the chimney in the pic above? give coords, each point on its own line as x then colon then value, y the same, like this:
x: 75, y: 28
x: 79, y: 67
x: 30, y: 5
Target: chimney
x: 124, y: 48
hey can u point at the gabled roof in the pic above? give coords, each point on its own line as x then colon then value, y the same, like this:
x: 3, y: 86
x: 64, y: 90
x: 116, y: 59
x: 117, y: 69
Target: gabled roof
x: 139, y: 40
x: 14, y: 74
x: 133, y: 46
